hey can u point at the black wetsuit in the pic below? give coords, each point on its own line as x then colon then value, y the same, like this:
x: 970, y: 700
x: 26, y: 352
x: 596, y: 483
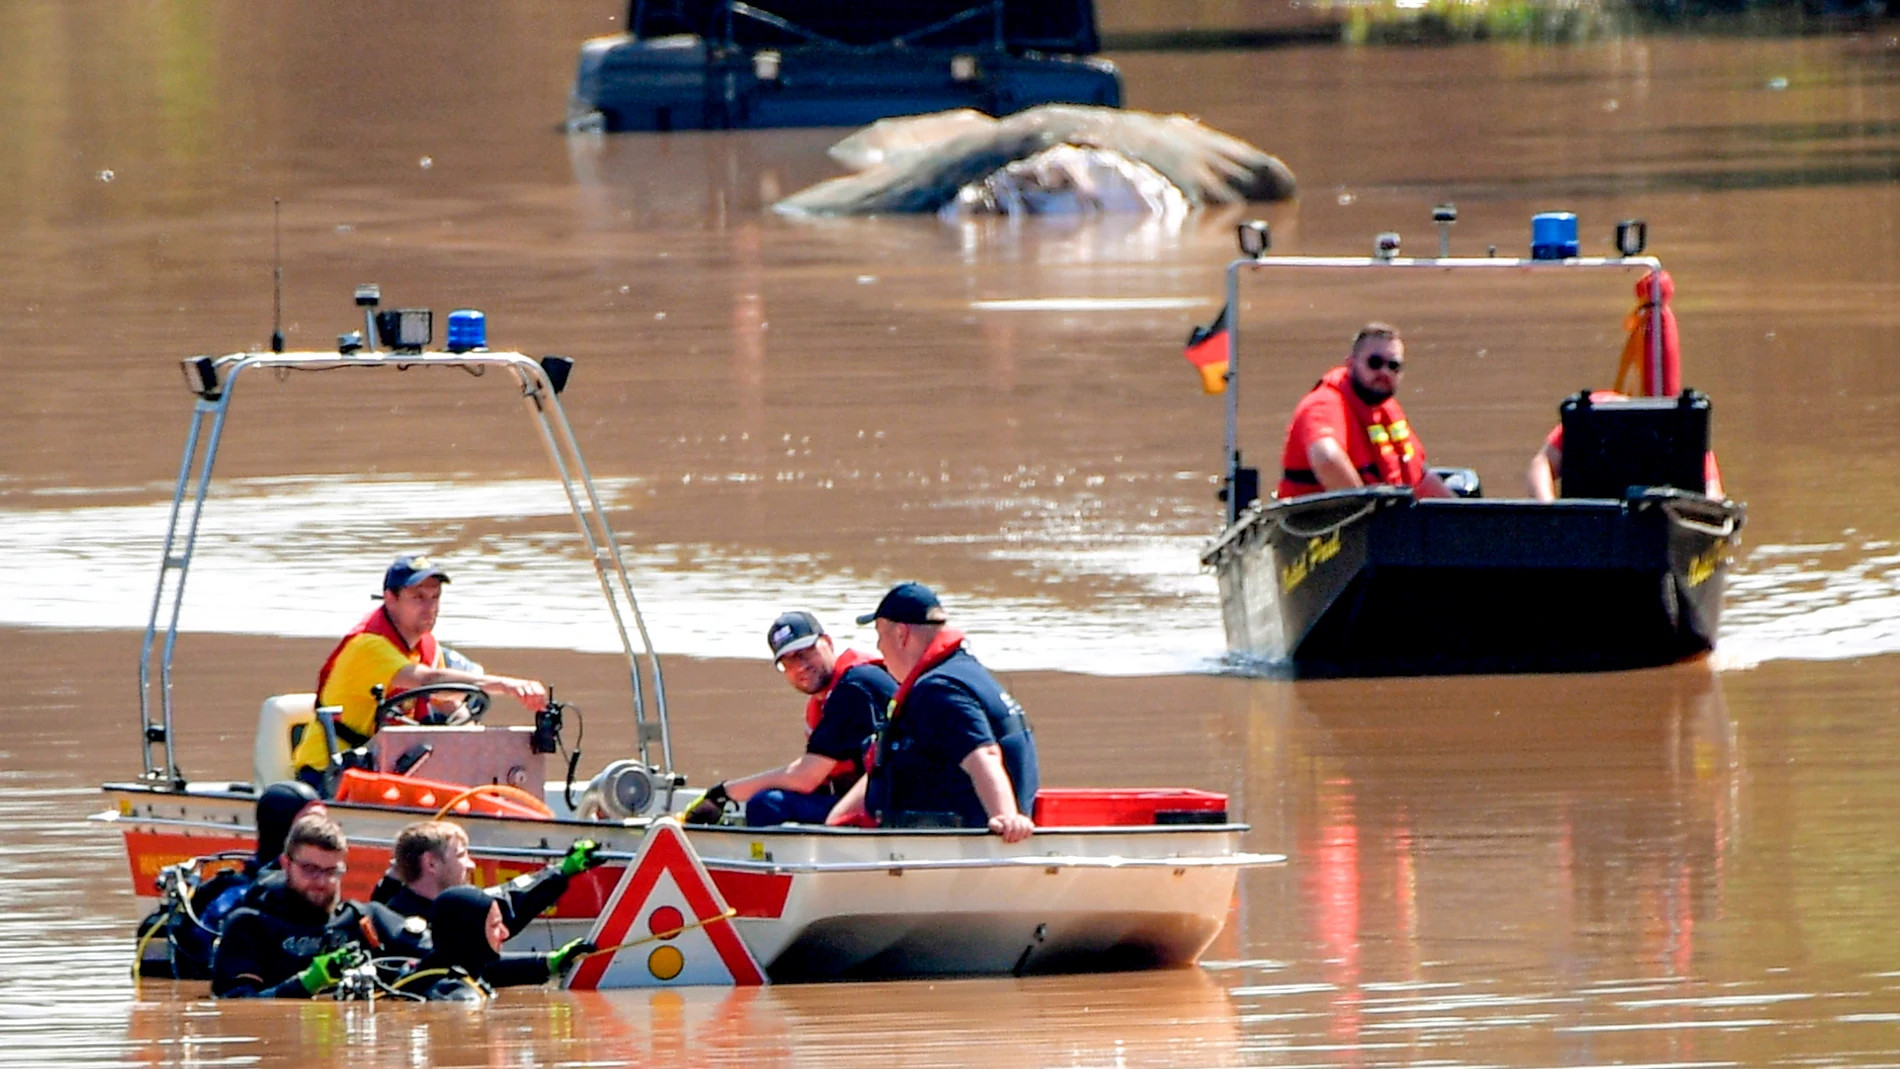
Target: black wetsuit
x: 461, y: 964
x: 265, y: 946
x: 522, y: 899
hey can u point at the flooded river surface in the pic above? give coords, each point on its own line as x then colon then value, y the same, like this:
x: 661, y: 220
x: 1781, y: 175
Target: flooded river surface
x: 1683, y: 867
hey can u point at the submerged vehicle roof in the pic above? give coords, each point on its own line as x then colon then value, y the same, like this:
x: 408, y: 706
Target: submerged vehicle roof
x: 1008, y: 25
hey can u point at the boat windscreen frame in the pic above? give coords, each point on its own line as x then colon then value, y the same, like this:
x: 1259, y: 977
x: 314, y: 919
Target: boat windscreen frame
x: 214, y: 380
x: 1231, y: 446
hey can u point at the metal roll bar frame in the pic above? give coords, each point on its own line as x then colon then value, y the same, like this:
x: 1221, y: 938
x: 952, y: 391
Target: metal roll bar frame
x: 214, y: 380
x: 1651, y: 265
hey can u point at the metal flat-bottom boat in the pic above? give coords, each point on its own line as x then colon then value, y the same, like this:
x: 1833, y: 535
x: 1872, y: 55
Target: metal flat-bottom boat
x: 1625, y: 569
x: 1376, y: 582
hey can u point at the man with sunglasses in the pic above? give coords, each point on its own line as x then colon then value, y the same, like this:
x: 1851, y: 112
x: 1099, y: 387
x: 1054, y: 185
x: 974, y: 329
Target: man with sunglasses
x: 1350, y: 431
x: 299, y: 936
x: 846, y: 692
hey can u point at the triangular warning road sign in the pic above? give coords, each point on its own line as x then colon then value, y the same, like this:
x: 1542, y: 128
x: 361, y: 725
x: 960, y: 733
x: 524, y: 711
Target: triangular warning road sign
x: 666, y: 925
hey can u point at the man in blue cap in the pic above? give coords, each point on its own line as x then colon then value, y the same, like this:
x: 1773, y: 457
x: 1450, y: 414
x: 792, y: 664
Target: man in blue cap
x: 394, y: 647
x: 847, y: 692
x: 955, y: 749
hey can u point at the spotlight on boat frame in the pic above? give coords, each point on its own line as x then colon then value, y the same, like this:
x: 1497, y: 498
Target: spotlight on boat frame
x: 1632, y: 237
x: 405, y: 330
x: 1255, y: 238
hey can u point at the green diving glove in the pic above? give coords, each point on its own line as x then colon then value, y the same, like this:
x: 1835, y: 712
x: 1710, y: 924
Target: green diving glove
x: 559, y: 960
x: 583, y: 855
x: 326, y: 969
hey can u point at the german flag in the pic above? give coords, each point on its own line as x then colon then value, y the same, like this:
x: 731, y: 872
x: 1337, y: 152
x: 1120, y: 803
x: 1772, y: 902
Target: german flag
x: 1207, y: 351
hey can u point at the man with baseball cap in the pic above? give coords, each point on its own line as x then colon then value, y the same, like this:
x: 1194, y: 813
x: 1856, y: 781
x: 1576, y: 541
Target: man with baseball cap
x: 955, y: 749
x: 394, y: 647
x: 846, y: 691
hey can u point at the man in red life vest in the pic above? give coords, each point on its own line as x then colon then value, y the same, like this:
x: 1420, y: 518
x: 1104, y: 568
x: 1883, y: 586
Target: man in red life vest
x: 1350, y: 431
x: 848, y: 692
x: 394, y: 647
x: 1547, y: 465
x: 956, y: 749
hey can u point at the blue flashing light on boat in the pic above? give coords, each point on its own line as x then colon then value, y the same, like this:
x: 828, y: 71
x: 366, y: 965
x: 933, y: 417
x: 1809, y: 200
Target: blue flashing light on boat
x: 468, y: 329
x: 1553, y: 235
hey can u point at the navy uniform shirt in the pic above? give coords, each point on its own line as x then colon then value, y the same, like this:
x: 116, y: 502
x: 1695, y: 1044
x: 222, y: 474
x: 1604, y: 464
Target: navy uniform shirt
x: 951, y: 710
x: 851, y: 712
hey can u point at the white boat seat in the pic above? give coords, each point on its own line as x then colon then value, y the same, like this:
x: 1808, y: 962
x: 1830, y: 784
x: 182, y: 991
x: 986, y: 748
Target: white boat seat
x: 270, y: 757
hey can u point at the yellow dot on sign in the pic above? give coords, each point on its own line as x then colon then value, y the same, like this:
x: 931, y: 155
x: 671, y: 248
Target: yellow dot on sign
x: 666, y: 962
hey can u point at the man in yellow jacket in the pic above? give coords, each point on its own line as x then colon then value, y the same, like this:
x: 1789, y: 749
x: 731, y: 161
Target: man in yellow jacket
x: 393, y: 647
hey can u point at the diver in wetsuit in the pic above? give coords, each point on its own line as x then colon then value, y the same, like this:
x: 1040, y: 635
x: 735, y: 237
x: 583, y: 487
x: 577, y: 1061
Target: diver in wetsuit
x: 193, y: 917
x: 466, y: 962
x: 300, y: 936
x: 431, y: 856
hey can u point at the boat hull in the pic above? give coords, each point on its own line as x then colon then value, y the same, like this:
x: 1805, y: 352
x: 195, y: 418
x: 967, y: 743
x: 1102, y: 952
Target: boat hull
x: 813, y: 903
x: 679, y: 83
x: 1374, y: 582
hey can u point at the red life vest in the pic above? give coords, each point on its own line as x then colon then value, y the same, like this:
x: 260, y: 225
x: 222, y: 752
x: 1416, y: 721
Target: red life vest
x: 948, y: 641
x: 378, y: 623
x: 815, y: 705
x: 1383, y: 451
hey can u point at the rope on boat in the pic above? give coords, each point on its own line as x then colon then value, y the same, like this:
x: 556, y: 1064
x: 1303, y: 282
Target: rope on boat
x: 502, y: 789
x: 657, y: 936
x: 1364, y: 511
x: 1726, y: 529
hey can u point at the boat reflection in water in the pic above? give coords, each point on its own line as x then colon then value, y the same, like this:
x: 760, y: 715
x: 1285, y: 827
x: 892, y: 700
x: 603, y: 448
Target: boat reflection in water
x: 1179, y: 1017
x: 1489, y: 837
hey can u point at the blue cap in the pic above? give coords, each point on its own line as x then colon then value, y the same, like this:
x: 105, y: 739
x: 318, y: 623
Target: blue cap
x: 908, y: 603
x: 410, y: 569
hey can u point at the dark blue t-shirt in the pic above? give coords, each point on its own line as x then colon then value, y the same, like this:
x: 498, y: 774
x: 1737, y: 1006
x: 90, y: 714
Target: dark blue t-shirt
x: 850, y: 715
x: 951, y: 710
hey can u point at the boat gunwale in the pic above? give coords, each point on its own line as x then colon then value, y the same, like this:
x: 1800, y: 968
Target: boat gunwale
x: 639, y: 824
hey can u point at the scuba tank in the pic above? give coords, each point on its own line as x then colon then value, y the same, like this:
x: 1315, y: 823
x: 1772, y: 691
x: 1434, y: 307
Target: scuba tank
x: 175, y: 940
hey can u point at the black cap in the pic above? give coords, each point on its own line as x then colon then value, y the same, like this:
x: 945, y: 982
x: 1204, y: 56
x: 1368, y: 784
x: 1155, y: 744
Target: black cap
x: 410, y: 569
x: 908, y: 603
x: 793, y: 631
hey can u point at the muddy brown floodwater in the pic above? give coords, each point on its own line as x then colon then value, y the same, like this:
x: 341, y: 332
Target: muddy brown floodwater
x: 1685, y: 867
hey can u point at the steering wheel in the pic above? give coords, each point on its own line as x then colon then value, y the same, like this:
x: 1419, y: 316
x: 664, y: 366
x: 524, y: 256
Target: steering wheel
x: 389, y: 710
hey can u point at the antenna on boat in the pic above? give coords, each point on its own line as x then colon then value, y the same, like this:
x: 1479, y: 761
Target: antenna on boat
x: 277, y: 275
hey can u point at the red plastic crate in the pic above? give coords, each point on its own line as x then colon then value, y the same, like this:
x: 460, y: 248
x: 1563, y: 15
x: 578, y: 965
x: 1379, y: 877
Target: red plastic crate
x: 1108, y: 807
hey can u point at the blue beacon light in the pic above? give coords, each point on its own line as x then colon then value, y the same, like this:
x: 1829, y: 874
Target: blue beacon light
x: 468, y: 329
x: 1553, y: 235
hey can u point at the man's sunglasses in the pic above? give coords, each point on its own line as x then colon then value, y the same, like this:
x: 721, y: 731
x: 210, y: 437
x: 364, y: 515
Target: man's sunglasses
x: 1379, y: 363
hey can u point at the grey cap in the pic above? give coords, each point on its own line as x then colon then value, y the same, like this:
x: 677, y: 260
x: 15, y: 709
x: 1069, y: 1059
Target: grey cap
x: 793, y: 631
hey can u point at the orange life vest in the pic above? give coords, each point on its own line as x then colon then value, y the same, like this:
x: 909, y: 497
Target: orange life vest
x: 378, y: 623
x: 947, y: 642
x: 1383, y: 452
x: 815, y: 705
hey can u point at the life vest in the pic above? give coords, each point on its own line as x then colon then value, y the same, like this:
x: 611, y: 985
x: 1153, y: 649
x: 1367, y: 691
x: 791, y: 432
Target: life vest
x: 1641, y: 327
x: 815, y: 705
x: 910, y: 783
x: 377, y: 623
x: 1384, y: 451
